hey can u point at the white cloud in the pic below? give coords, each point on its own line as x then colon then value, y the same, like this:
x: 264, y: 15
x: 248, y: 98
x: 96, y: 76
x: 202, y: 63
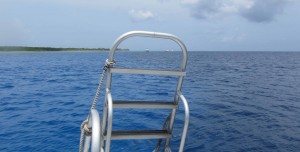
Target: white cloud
x: 190, y: 2
x: 234, y: 6
x: 252, y: 10
x: 141, y: 15
x: 232, y: 38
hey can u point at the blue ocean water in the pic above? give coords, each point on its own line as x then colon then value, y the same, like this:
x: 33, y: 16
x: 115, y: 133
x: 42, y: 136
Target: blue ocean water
x: 239, y: 101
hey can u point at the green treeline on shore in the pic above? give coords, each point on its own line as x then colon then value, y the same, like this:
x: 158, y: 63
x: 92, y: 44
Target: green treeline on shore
x: 25, y: 48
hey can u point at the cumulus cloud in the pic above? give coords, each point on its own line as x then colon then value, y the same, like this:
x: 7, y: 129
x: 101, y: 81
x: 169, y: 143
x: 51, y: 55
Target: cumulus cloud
x: 264, y: 11
x: 141, y: 15
x: 252, y: 10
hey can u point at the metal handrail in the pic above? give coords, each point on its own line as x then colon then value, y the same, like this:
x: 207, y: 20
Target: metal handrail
x: 153, y: 35
x: 186, y: 121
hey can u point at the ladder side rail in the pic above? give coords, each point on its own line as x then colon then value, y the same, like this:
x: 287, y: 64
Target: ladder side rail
x: 173, y: 113
x: 103, y: 128
x: 104, y: 120
x: 170, y: 127
x: 186, y: 122
x: 108, y: 86
x: 109, y: 120
x: 153, y: 35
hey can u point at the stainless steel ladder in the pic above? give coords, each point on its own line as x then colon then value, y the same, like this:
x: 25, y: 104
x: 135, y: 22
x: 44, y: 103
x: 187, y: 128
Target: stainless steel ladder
x: 103, y: 134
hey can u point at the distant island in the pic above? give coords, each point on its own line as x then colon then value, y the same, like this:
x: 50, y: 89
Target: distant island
x: 25, y: 48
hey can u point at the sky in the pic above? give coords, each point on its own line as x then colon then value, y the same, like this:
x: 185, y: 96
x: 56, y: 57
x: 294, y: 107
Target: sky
x: 203, y: 25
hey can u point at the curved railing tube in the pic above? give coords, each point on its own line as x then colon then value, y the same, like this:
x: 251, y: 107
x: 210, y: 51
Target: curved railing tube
x: 186, y: 121
x: 153, y: 35
x: 94, y: 123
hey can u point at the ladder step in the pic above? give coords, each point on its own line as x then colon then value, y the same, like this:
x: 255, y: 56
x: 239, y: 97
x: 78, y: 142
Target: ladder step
x: 139, y: 134
x: 144, y: 104
x: 147, y: 71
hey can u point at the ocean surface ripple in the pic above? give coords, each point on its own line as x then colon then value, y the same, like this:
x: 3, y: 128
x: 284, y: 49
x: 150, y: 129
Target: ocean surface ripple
x: 239, y: 101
